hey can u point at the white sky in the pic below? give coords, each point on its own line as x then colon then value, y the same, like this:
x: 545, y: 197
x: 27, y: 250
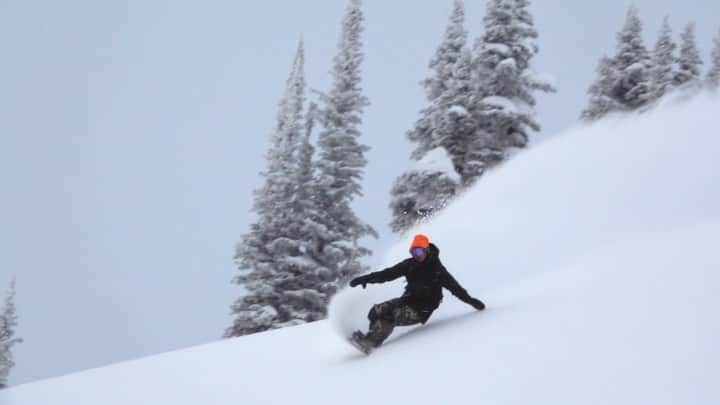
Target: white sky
x: 131, y: 134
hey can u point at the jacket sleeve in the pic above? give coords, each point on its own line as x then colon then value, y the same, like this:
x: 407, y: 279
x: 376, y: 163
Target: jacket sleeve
x: 449, y: 282
x: 388, y: 274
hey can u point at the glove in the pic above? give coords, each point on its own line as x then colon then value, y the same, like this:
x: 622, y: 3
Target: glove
x: 358, y: 281
x: 477, y: 304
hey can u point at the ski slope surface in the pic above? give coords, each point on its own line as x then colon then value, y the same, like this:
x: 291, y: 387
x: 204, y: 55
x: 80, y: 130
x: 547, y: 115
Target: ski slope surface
x: 596, y: 253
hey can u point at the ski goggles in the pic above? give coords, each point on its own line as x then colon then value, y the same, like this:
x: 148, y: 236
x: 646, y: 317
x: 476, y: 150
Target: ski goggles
x: 417, y: 251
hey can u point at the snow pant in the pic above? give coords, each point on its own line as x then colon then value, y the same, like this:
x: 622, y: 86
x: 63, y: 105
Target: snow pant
x: 384, y: 317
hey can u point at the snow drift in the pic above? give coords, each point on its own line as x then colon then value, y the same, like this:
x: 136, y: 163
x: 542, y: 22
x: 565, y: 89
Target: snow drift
x: 595, y: 252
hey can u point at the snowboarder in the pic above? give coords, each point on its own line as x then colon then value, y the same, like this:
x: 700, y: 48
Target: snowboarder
x: 425, y: 276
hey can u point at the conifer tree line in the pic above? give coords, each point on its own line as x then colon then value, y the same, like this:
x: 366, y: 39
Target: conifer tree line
x: 304, y: 244
x: 480, y: 108
x: 8, y: 323
x: 635, y: 78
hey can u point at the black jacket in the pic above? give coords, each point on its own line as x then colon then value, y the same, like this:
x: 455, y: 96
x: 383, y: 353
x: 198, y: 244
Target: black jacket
x: 425, y: 281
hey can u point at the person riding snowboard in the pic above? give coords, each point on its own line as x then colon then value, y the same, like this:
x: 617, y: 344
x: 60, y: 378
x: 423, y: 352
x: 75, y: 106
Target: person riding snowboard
x: 426, y: 276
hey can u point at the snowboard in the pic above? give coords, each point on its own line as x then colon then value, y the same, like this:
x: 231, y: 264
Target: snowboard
x: 358, y: 341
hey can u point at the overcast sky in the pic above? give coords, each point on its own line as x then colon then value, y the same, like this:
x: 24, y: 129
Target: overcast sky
x: 131, y: 135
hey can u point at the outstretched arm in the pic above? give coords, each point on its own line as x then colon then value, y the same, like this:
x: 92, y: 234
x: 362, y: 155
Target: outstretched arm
x: 388, y: 274
x: 449, y: 282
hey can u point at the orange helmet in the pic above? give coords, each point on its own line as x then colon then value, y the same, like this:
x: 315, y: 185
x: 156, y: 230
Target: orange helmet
x: 420, y: 241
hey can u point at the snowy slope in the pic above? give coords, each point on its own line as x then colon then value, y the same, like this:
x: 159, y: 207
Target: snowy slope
x: 595, y: 251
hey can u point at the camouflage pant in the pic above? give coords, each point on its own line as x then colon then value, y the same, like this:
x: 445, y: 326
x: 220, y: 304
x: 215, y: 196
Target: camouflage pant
x: 384, y: 317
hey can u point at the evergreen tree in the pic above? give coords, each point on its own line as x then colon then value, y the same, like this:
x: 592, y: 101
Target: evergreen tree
x: 506, y: 79
x: 273, y: 265
x: 443, y: 68
x: 305, y: 196
x: 443, y: 123
x: 481, y: 105
x: 341, y: 160
x: 713, y: 75
x: 633, y: 64
x: 689, y: 60
x: 417, y: 195
x: 602, y: 101
x: 8, y: 323
x: 308, y: 289
x: 663, y: 61
x: 624, y: 81
x: 447, y: 53
x: 456, y: 127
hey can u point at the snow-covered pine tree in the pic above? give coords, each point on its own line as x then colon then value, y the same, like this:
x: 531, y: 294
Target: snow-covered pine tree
x: 713, y: 74
x: 341, y: 161
x: 507, y: 82
x: 484, y: 107
x: 305, y: 196
x: 602, y: 101
x: 442, y: 66
x: 444, y: 123
x: 447, y: 53
x: 689, y: 61
x: 308, y: 285
x: 8, y: 323
x: 271, y: 260
x: 663, y: 61
x: 456, y: 125
x: 624, y: 81
x: 424, y: 190
x: 633, y: 64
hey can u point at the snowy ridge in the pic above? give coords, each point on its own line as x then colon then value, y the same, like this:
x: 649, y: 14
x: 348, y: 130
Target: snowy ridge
x: 595, y: 252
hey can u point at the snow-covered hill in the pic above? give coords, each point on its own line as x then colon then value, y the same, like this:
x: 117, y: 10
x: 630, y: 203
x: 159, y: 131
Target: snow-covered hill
x: 596, y: 253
